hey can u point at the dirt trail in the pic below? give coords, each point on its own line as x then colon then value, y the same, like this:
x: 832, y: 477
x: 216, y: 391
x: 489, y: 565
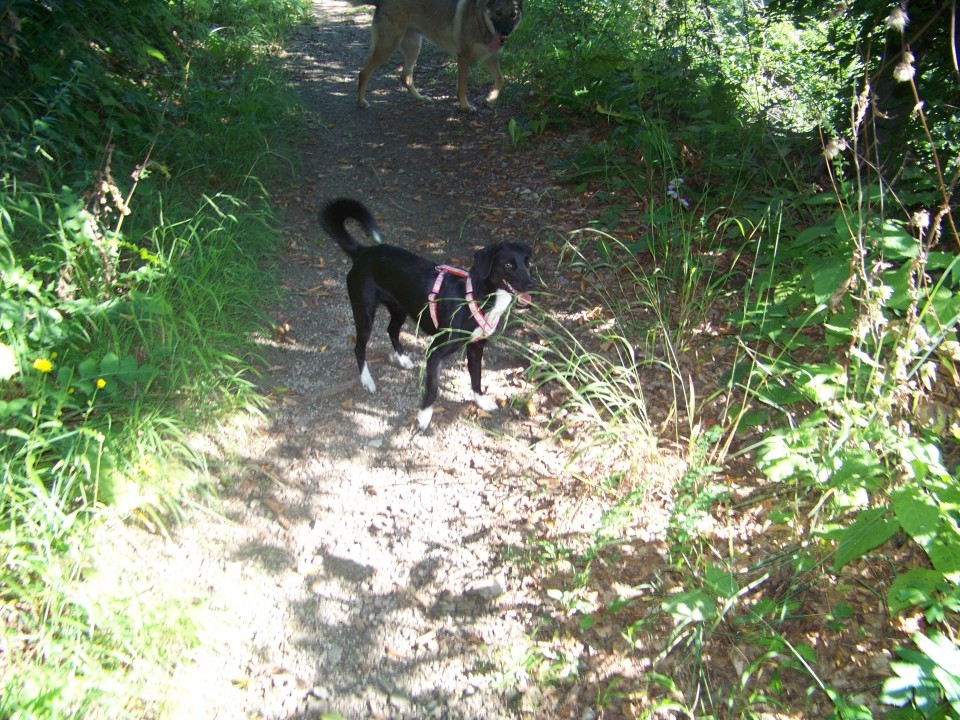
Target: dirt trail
x: 360, y: 566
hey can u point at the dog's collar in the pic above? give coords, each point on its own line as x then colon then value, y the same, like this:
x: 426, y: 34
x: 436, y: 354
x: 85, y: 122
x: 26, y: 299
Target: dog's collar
x: 486, y: 328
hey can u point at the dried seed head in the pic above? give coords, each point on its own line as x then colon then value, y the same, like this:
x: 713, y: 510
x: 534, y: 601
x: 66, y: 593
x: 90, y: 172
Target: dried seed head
x: 834, y: 148
x: 904, y: 71
x: 898, y: 19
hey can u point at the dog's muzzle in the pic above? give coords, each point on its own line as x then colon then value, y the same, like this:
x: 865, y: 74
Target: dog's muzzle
x: 523, y: 299
x: 496, y: 43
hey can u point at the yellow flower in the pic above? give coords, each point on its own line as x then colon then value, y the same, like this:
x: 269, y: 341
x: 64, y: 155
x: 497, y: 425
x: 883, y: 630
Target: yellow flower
x: 42, y: 365
x: 101, y: 383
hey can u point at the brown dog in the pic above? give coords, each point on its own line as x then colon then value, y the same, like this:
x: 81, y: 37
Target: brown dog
x: 470, y: 29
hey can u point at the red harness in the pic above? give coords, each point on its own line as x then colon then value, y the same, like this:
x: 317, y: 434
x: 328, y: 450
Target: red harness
x: 486, y: 328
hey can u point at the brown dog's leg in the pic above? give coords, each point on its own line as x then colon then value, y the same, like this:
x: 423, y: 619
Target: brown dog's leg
x: 410, y: 48
x: 383, y: 43
x: 463, y: 69
x: 493, y: 67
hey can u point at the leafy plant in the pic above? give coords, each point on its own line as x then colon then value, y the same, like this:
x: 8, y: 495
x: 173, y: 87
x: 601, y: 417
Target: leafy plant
x: 125, y: 306
x: 928, y: 681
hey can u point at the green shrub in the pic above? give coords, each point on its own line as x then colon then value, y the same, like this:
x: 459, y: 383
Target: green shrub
x: 135, y: 139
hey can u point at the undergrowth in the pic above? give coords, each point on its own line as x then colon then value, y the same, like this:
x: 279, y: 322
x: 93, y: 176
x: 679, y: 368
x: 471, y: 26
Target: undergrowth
x: 135, y: 144
x: 786, y: 263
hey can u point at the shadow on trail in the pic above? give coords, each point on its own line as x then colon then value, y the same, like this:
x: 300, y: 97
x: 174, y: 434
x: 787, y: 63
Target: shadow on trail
x: 381, y: 546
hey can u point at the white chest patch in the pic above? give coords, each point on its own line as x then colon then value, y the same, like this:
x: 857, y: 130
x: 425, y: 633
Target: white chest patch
x: 500, y: 305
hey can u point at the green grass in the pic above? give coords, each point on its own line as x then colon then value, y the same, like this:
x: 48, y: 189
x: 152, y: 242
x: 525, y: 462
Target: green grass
x: 822, y: 307
x: 135, y: 232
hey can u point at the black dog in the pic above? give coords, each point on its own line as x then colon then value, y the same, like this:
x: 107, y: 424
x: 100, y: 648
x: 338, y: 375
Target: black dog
x: 457, y: 308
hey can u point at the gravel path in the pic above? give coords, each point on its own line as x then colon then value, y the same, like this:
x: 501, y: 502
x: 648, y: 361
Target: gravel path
x: 360, y: 566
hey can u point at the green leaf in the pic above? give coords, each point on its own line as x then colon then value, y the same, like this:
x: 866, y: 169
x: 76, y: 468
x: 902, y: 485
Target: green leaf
x: 939, y: 648
x: 898, y: 281
x: 871, y: 529
x: 110, y: 364
x: 917, y: 513
x: 897, y: 243
x: 721, y: 581
x: 690, y: 607
x: 827, y: 279
x: 87, y: 369
x: 156, y: 54
x: 913, y: 588
x: 944, y: 553
x: 858, y: 469
x: 812, y: 234
x: 841, y: 611
x: 12, y: 407
x: 806, y: 652
x: 822, y: 382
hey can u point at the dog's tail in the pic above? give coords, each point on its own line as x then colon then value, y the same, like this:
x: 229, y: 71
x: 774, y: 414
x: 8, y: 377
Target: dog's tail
x: 333, y: 219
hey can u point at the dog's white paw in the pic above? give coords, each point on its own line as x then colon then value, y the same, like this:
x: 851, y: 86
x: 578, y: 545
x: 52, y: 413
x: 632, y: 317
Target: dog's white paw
x: 487, y: 404
x: 404, y: 361
x: 424, y: 416
x: 366, y: 379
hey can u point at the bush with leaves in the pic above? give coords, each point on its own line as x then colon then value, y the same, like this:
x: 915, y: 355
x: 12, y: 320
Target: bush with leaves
x: 132, y: 246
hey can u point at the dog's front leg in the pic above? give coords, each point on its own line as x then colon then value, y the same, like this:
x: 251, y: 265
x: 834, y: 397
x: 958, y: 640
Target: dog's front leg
x: 463, y: 70
x: 493, y: 67
x: 475, y: 367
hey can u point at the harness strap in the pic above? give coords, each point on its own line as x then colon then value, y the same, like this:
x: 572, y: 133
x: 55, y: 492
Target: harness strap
x: 486, y: 328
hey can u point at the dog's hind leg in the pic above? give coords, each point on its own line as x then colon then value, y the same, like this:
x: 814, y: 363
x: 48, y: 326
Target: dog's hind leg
x: 474, y: 367
x: 364, y: 310
x: 360, y: 350
x: 384, y: 41
x: 410, y: 47
x: 398, y: 317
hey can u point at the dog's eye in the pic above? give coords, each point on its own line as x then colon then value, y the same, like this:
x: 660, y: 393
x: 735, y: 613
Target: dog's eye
x: 510, y: 265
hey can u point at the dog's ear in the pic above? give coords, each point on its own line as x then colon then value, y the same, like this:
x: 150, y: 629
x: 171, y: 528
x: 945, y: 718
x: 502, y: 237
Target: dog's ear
x: 483, y: 261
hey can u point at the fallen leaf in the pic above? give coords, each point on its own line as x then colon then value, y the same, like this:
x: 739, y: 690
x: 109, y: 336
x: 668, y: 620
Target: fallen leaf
x: 274, y: 506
